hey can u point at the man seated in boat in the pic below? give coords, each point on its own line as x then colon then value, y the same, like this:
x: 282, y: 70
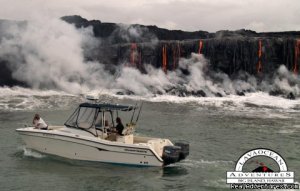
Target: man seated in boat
x: 116, y: 131
x: 120, y: 126
x: 39, y: 123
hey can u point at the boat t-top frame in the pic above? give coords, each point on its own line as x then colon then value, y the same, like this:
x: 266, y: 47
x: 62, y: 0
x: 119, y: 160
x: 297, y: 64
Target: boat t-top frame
x: 86, y: 115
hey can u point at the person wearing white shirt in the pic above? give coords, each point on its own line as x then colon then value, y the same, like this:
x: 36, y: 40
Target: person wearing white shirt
x: 39, y: 123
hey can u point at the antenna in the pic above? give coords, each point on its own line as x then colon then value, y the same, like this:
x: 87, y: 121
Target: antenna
x: 137, y: 118
x: 133, y: 112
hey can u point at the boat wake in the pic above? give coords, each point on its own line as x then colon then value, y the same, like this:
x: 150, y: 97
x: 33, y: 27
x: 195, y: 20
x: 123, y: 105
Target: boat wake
x: 206, y: 166
x: 32, y: 153
x: 205, y: 163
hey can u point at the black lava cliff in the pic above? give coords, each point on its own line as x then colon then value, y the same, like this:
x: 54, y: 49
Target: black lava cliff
x: 226, y: 51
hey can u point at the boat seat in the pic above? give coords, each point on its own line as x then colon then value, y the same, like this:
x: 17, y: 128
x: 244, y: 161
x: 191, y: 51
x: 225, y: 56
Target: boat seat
x: 128, y: 139
x: 99, y: 132
x: 111, y: 137
x: 128, y: 130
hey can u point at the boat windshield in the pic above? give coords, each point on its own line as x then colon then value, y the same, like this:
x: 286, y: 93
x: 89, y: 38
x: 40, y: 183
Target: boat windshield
x: 83, y: 118
x: 87, y: 114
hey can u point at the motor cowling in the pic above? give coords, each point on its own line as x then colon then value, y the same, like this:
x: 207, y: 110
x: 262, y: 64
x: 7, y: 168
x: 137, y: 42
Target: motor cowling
x: 184, y: 149
x: 171, y: 154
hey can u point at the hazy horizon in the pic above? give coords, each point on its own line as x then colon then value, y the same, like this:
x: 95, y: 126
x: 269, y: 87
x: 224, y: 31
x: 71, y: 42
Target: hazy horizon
x: 192, y: 15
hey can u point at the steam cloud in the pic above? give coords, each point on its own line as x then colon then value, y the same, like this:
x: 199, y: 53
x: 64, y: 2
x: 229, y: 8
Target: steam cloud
x: 51, y: 56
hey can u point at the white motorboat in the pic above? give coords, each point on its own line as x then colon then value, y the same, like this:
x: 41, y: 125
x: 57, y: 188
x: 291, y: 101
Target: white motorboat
x: 84, y: 137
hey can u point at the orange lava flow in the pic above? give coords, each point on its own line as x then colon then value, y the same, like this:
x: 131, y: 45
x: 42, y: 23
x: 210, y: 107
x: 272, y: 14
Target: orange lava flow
x: 259, y: 65
x: 297, y: 51
x: 133, y: 53
x: 200, y: 46
x: 164, y: 59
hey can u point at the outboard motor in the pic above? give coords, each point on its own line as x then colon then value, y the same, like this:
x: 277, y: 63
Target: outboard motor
x: 171, y: 154
x: 184, y: 149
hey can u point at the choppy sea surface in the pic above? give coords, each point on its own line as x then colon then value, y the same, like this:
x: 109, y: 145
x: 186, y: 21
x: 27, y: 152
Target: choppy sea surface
x: 219, y: 131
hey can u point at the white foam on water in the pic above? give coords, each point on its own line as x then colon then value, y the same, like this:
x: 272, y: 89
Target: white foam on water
x: 296, y: 126
x: 260, y: 99
x: 20, y: 91
x: 32, y: 153
x: 198, y: 163
x: 253, y: 104
x: 287, y: 131
x: 219, y: 183
x: 293, y: 129
x: 18, y: 98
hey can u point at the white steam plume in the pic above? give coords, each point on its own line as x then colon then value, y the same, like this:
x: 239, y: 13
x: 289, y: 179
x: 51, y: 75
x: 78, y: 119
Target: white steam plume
x: 48, y: 54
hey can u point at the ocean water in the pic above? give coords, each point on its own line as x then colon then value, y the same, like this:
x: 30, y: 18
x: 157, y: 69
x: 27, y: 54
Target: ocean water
x: 219, y: 131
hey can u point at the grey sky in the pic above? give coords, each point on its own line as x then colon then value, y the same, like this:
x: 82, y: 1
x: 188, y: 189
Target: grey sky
x: 209, y: 15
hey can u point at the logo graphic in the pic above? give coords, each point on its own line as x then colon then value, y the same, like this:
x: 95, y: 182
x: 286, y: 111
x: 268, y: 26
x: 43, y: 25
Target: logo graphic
x: 261, y: 169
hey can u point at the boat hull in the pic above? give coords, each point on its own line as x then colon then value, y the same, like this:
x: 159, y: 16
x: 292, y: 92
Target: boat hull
x: 98, y: 150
